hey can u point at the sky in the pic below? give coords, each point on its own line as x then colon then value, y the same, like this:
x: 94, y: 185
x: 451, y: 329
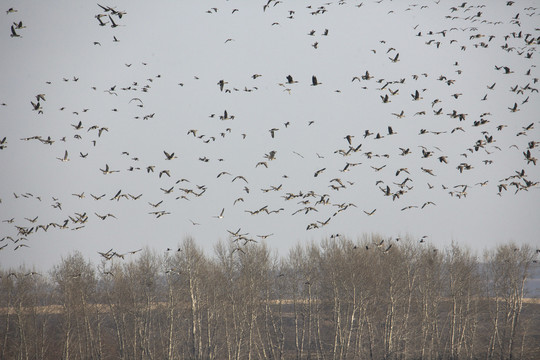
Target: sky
x: 148, y: 82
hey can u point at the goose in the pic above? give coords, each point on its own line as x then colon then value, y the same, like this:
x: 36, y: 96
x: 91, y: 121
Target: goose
x: 32, y: 220
x: 404, y: 152
x: 514, y: 108
x: 271, y: 155
x: 65, y: 158
x: 107, y: 170
x: 101, y: 130
x: 113, y: 24
x: 102, y: 217
x: 221, y: 214
x: 370, y: 212
x: 101, y: 23
x: 290, y: 80
x: 79, y: 126
x: 529, y: 158
x: 225, y: 116
x: 105, y: 8
x: 238, y: 249
x: 428, y: 171
x: 314, y: 81
x: 426, y: 154
x: 402, y: 170
x: 236, y: 233
x: 223, y: 173
x: 169, y: 156
x: 428, y: 203
x: 443, y: 159
x: 159, y: 213
x: 13, y: 32
x: 156, y: 204
x: 36, y: 106
x: 241, y: 178
x: 323, y: 223
x: 464, y: 166
x: 168, y: 191
x: 378, y: 168
x: 367, y: 76
x: 416, y: 96
x: 409, y: 207
x: 221, y: 84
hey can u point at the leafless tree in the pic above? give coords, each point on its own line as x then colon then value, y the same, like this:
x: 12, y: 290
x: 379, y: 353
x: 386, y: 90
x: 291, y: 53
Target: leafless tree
x: 507, y: 269
x: 75, y: 286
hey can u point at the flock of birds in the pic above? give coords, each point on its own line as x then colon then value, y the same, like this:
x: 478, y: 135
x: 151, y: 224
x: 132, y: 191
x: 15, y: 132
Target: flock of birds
x: 475, y: 141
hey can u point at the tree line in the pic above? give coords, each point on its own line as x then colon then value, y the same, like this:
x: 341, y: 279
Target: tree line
x: 334, y: 299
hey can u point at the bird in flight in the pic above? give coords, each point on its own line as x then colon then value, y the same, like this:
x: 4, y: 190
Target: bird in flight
x: 290, y: 80
x: 416, y: 96
x: 395, y: 58
x: 107, y: 170
x: 13, y: 32
x: 220, y: 216
x: 65, y: 158
x: 169, y: 156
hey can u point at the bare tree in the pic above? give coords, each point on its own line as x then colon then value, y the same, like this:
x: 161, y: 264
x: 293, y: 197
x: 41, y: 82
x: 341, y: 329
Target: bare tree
x: 507, y: 269
x: 76, y: 284
x: 462, y: 279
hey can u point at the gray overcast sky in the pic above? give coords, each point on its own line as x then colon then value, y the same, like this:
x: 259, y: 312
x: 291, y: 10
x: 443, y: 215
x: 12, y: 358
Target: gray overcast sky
x: 171, y: 55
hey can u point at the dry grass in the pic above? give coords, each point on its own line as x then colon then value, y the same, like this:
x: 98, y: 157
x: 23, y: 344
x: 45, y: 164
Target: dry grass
x: 104, y: 308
